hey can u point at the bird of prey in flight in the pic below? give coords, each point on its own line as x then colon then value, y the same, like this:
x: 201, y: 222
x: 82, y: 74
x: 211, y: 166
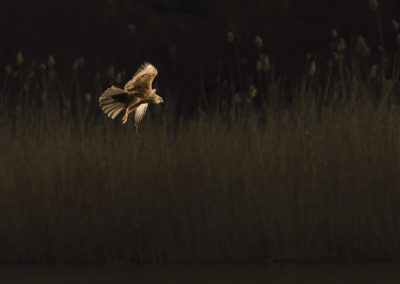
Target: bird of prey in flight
x: 135, y: 97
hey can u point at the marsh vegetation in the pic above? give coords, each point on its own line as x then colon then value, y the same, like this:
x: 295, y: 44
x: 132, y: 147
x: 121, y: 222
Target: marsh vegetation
x: 275, y: 170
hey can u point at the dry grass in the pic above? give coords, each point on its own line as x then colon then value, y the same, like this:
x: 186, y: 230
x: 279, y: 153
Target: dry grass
x: 309, y: 181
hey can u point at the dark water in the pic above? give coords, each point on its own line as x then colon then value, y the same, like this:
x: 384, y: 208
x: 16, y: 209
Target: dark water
x: 238, y: 273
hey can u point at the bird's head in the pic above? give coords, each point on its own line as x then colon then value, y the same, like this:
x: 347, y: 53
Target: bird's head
x: 157, y: 99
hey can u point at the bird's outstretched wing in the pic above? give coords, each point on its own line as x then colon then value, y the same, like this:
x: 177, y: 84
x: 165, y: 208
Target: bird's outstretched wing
x: 143, y: 78
x: 139, y: 113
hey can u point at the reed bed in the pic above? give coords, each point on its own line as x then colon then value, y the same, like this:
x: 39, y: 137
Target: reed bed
x: 308, y: 181
x: 276, y: 171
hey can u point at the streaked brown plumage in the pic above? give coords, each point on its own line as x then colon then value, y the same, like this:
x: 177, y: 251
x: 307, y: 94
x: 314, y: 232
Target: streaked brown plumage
x: 135, y: 97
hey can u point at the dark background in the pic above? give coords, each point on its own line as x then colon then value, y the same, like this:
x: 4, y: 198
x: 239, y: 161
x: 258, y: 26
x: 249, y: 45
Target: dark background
x: 185, y: 39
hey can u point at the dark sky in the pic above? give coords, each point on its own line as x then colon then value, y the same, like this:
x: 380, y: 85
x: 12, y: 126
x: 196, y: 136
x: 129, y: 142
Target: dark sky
x: 184, y: 38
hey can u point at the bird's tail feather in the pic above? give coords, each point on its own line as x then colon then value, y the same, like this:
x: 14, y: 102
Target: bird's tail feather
x: 109, y: 105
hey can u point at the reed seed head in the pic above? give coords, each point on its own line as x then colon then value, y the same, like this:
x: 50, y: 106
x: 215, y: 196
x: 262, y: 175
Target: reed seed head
x: 258, y: 41
x: 252, y: 91
x: 258, y: 65
x: 20, y: 58
x: 51, y: 61
x: 118, y: 78
x: 342, y: 45
x: 31, y: 75
x: 313, y: 68
x: 236, y: 99
x: 362, y: 47
x: 395, y: 25
x: 111, y: 72
x: 78, y: 63
x: 336, y: 56
x: 132, y: 28
x: 373, y: 4
x: 88, y: 97
x: 266, y: 66
x: 8, y: 69
x: 230, y: 37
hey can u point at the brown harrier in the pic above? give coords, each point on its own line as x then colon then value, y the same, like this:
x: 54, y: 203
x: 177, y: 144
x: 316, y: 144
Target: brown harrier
x: 135, y: 97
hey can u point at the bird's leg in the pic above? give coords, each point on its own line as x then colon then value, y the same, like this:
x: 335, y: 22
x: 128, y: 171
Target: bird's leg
x: 127, y: 112
x: 125, y: 117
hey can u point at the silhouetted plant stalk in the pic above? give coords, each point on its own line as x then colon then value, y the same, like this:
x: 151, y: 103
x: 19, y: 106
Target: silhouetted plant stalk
x: 4, y: 91
x: 20, y: 61
x: 374, y: 5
